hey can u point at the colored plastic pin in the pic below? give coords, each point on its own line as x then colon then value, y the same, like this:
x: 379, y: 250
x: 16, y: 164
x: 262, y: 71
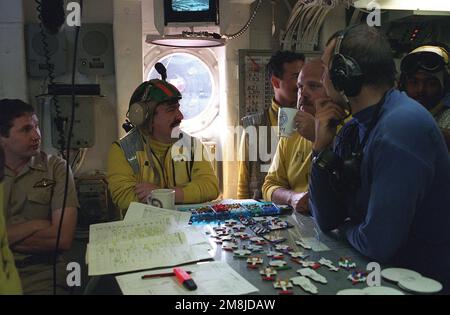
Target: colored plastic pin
x: 279, y: 265
x: 254, y: 248
x: 357, y: 277
x: 274, y: 239
x: 283, y: 248
x: 242, y: 253
x: 346, y: 263
x: 310, y: 264
x: 298, y: 255
x: 229, y: 247
x: 275, y: 255
x: 284, y: 285
x: 268, y: 273
x: 253, y: 262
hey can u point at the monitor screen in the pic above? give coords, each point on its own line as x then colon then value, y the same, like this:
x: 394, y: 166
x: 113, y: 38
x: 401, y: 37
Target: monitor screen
x: 190, y: 5
x: 180, y: 11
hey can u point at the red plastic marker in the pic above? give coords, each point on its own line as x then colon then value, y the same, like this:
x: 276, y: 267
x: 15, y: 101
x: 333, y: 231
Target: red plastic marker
x: 185, y: 279
x: 159, y: 275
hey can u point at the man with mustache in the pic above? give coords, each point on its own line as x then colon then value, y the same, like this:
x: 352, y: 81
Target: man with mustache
x: 145, y: 159
x: 287, y: 180
x: 34, y: 187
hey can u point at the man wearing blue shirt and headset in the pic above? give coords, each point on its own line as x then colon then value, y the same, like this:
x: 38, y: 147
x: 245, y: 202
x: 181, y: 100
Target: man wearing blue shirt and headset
x: 385, y: 181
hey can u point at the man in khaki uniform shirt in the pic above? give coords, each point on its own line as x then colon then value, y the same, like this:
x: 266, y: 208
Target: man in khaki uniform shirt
x: 34, y: 190
x: 9, y: 278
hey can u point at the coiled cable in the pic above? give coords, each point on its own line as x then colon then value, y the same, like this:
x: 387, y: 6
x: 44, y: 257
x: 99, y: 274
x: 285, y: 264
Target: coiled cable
x: 58, y: 120
x: 247, y: 25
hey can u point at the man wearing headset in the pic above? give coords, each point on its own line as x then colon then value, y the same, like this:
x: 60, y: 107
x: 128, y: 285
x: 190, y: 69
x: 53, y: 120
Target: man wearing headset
x: 426, y: 79
x: 9, y: 278
x: 145, y: 159
x: 384, y: 183
x: 34, y: 185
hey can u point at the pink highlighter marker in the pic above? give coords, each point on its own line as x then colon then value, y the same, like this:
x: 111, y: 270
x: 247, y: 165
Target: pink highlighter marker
x: 185, y: 279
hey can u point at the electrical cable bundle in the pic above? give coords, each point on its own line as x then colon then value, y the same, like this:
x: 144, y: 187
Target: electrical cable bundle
x: 304, y: 23
x: 52, y: 7
x: 59, y: 121
x: 69, y: 139
x: 247, y: 25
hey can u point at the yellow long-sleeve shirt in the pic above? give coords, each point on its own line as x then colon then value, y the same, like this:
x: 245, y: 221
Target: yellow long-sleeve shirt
x: 244, y: 175
x: 291, y: 166
x: 198, y: 186
x: 9, y: 278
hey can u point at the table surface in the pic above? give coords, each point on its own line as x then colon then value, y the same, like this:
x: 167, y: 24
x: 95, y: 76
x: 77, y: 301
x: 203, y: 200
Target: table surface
x: 303, y: 227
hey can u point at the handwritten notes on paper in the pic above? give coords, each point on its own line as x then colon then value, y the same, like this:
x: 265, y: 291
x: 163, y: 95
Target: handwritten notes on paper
x: 124, y: 230
x: 144, y: 253
x: 158, y: 240
x: 139, y: 211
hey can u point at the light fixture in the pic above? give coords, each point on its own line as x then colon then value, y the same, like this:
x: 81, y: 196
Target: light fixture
x: 188, y: 40
x: 409, y: 5
x: 192, y: 39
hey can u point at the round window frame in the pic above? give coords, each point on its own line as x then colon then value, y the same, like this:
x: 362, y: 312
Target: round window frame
x: 203, y: 120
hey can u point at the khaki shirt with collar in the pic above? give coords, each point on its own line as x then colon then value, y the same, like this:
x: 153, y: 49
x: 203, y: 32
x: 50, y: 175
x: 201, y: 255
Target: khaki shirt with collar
x: 37, y: 190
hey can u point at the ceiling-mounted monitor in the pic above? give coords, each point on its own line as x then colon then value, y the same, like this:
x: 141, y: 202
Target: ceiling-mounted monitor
x: 185, y: 11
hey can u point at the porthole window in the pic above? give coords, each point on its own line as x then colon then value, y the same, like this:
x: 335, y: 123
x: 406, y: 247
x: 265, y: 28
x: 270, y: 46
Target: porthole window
x: 196, y: 74
x: 194, y: 80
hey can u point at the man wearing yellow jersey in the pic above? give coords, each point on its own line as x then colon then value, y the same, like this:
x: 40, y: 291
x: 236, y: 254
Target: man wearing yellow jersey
x: 145, y: 158
x: 9, y: 278
x: 287, y: 180
x: 282, y: 70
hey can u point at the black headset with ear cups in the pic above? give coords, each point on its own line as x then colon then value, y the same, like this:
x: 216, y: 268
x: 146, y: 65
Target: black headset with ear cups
x: 348, y: 169
x: 345, y: 73
x: 346, y: 76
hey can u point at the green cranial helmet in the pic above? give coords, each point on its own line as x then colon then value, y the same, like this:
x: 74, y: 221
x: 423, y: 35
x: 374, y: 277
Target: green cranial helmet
x: 147, y: 96
x: 156, y: 91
